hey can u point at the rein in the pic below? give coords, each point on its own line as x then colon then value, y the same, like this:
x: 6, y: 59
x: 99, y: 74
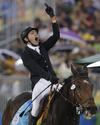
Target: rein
x: 79, y: 107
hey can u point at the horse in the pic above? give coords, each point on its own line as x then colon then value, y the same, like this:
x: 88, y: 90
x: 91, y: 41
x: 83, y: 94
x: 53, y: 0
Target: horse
x: 74, y: 98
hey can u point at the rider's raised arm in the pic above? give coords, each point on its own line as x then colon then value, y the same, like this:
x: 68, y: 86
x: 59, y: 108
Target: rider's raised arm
x: 50, y: 42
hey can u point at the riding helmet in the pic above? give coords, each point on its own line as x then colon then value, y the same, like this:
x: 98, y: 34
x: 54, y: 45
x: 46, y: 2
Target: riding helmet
x: 26, y: 31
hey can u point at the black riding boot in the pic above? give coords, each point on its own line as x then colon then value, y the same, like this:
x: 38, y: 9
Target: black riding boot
x: 32, y: 120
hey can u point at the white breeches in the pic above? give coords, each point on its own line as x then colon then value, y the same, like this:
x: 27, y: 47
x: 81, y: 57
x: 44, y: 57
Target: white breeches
x: 39, y: 87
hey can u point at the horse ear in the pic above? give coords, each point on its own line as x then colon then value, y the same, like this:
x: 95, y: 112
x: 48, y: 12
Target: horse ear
x: 73, y: 69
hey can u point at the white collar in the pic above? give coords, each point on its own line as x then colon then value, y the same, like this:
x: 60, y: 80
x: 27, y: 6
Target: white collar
x: 32, y: 47
x: 36, y: 48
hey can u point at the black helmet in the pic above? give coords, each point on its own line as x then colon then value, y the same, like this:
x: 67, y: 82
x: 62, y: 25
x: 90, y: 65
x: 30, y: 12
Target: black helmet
x: 26, y: 31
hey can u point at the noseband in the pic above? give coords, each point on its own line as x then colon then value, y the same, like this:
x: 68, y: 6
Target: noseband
x: 74, y: 93
x: 79, y: 107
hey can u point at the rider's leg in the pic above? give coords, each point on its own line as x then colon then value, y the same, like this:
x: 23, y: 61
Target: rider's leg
x: 32, y: 120
x: 39, y: 87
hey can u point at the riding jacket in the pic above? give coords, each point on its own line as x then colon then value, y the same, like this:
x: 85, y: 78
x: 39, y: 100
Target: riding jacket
x: 39, y: 65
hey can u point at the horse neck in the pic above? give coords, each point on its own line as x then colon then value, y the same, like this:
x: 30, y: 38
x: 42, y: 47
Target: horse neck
x: 68, y: 109
x: 65, y: 91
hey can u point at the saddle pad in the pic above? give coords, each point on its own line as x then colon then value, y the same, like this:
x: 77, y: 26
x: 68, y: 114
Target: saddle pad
x: 17, y: 120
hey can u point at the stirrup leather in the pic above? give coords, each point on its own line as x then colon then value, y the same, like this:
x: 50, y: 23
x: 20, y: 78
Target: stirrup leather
x: 45, y: 113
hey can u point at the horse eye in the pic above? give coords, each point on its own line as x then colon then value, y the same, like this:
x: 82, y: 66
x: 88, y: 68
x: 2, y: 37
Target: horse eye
x: 78, y: 86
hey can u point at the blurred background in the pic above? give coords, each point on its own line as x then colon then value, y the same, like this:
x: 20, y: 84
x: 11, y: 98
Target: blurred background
x: 79, y: 22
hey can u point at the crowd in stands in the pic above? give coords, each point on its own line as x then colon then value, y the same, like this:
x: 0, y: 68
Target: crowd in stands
x: 78, y: 16
x: 78, y: 19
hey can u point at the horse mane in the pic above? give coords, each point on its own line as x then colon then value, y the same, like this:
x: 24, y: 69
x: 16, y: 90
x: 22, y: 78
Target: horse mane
x: 67, y: 83
x: 68, y: 79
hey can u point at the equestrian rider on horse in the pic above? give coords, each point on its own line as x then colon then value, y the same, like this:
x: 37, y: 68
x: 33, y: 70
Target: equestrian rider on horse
x: 36, y: 60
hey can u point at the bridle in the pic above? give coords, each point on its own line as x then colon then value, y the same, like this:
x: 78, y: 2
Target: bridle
x: 79, y: 107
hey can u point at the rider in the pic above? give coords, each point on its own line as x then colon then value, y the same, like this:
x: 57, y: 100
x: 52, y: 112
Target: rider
x: 35, y: 58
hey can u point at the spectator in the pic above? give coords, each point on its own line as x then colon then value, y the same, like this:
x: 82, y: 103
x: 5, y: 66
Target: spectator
x: 9, y: 7
x: 97, y: 23
x: 96, y: 4
x: 37, y: 23
x: 64, y: 70
x: 76, y: 17
x: 21, y: 10
x: 72, y: 2
x: 88, y: 21
x: 64, y: 20
x: 88, y: 6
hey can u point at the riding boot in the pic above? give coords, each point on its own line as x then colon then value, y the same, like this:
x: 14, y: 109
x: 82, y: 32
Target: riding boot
x: 32, y: 120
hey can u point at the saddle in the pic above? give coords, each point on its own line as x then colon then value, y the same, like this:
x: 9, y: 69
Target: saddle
x: 44, y: 108
x: 17, y: 120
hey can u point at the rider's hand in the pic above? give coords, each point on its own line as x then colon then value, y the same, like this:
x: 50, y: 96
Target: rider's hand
x: 53, y: 79
x: 49, y: 10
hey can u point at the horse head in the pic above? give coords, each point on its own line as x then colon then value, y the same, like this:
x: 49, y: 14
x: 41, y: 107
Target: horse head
x: 80, y: 92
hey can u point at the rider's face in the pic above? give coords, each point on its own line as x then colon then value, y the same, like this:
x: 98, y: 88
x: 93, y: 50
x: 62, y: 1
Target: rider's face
x: 33, y: 37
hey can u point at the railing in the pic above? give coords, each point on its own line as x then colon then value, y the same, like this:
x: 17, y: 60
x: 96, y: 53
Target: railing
x: 12, y: 86
x: 13, y: 20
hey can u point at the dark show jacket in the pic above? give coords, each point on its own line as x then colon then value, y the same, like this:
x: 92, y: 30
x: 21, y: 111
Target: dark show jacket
x: 39, y: 65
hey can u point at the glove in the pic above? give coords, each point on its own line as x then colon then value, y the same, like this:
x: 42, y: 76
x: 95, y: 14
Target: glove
x: 53, y: 79
x: 49, y: 10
